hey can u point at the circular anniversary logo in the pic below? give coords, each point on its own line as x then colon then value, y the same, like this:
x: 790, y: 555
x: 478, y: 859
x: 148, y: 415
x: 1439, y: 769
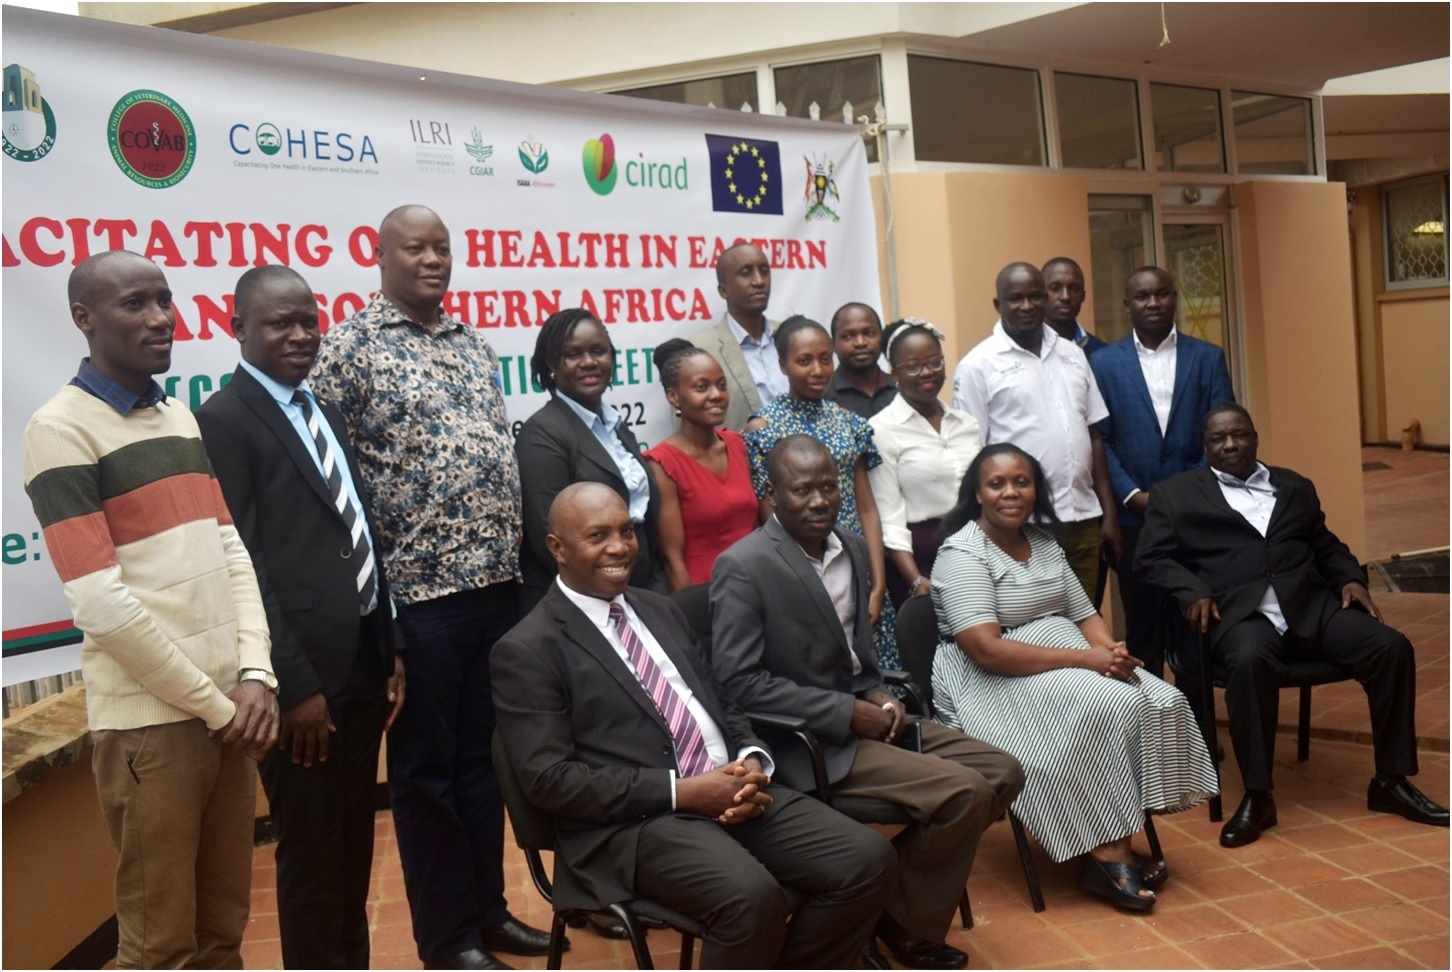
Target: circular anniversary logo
x: 28, y: 133
x: 151, y: 139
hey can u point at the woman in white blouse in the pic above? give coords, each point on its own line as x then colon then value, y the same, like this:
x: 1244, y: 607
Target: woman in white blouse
x: 926, y: 447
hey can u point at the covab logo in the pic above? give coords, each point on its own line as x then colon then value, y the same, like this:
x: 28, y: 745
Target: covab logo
x: 599, y: 162
x: 152, y: 139
x: 29, y: 124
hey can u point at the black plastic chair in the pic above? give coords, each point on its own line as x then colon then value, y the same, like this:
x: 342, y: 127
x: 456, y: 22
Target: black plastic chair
x: 781, y: 729
x: 1189, y: 654
x: 535, y: 831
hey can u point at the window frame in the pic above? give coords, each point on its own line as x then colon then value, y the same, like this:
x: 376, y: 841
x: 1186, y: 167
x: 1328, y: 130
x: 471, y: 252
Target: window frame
x: 1440, y: 179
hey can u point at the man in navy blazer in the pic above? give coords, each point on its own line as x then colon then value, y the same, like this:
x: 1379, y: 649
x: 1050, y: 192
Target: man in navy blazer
x: 334, y: 647
x: 1159, y: 385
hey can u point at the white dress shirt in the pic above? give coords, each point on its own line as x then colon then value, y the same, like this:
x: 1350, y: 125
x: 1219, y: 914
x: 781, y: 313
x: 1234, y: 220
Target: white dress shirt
x: 761, y: 360
x: 921, y: 467
x: 1255, y: 499
x: 835, y: 571
x: 1044, y: 404
x: 1158, y: 365
x: 598, y: 611
x: 632, y: 472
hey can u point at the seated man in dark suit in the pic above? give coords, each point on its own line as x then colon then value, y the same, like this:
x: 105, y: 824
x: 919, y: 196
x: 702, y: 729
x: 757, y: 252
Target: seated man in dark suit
x: 616, y: 725
x: 1244, y: 552
x: 791, y: 634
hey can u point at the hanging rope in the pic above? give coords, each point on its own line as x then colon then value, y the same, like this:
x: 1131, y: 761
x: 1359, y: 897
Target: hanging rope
x: 1164, y: 26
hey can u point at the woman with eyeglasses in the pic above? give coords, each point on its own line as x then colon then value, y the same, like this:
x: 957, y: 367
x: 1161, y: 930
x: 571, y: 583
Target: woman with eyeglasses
x: 926, y: 448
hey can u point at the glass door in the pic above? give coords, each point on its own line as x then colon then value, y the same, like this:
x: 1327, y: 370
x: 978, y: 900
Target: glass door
x: 1195, y: 255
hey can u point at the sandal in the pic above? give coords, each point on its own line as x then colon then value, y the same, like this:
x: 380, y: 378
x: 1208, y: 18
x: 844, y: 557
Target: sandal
x: 1152, y: 873
x: 1116, y: 882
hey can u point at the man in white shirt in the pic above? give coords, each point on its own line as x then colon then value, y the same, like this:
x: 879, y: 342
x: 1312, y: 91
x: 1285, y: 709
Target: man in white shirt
x: 615, y: 724
x: 1026, y: 385
x: 1243, y: 551
x: 742, y: 340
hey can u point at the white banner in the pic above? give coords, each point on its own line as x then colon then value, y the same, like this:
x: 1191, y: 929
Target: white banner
x: 212, y: 156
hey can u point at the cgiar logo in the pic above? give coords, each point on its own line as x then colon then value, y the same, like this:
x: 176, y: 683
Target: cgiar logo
x: 599, y: 161
x: 29, y: 129
x: 152, y: 139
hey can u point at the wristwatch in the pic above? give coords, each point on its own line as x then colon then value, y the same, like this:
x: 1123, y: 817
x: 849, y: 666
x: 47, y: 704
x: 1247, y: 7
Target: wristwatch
x: 268, y: 680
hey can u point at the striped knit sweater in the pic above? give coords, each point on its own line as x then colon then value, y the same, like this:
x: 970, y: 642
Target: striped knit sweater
x: 157, y: 577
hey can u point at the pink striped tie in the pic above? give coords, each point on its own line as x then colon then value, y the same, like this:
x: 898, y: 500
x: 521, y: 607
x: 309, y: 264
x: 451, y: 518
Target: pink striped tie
x: 691, y: 756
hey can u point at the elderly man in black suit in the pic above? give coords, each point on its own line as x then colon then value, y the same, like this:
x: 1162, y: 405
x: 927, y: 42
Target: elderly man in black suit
x: 791, y: 633
x: 289, y: 476
x: 617, y: 726
x: 1243, y: 550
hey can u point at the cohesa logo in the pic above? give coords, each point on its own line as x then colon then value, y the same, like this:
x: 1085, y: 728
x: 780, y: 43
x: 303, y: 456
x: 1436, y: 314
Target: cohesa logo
x: 152, y: 140
x: 599, y: 161
x: 601, y: 171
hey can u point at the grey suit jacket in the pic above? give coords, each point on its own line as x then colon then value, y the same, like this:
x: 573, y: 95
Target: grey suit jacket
x: 745, y: 399
x: 778, y: 645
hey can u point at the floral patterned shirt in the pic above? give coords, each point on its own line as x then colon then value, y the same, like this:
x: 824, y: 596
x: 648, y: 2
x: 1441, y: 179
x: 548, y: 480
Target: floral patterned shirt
x: 427, y: 419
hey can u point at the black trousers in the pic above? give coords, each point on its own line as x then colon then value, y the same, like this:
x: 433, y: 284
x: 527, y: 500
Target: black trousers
x: 447, y: 808
x: 1250, y: 656
x: 730, y: 878
x: 1147, y: 619
x: 324, y: 816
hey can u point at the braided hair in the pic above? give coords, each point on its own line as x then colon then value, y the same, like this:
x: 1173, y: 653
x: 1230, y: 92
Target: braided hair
x: 670, y: 356
x: 551, y: 343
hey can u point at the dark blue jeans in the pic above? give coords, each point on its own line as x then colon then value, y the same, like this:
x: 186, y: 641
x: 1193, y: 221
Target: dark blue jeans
x: 447, y: 809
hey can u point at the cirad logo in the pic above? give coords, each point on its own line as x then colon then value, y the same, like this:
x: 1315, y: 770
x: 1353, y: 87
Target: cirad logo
x: 602, y: 169
x: 29, y: 129
x: 301, y: 144
x: 152, y: 139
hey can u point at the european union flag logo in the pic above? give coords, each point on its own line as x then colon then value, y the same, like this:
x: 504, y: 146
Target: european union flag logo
x: 745, y: 175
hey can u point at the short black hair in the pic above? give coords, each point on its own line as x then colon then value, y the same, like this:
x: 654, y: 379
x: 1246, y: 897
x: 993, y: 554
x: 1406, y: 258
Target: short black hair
x: 1221, y: 409
x: 670, y: 356
x: 551, y: 342
x: 256, y: 277
x: 798, y: 444
x: 1067, y: 261
x: 852, y: 306
x: 1000, y: 281
x: 78, y: 285
x: 969, y: 509
x: 784, y: 331
x: 721, y: 260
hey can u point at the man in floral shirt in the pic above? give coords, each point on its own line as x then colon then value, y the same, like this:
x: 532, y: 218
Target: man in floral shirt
x: 422, y: 397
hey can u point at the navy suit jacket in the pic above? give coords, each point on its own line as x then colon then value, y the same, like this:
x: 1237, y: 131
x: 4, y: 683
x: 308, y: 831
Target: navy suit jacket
x: 1139, y: 455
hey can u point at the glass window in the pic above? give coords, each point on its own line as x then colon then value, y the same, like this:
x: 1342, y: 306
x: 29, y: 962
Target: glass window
x: 1187, y: 128
x: 1195, y: 256
x: 1121, y: 240
x: 967, y: 112
x: 839, y: 91
x: 734, y: 91
x: 1415, y: 215
x: 1272, y: 134
x: 1098, y: 122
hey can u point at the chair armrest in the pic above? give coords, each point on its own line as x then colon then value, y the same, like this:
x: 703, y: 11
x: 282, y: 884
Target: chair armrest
x: 913, y: 697
x: 795, y: 726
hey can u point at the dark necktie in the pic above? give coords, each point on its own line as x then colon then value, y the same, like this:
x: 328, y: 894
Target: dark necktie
x: 691, y: 756
x: 367, y: 578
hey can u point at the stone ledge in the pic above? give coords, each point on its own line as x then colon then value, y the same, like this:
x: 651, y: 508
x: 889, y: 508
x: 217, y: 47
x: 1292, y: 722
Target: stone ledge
x: 44, y: 737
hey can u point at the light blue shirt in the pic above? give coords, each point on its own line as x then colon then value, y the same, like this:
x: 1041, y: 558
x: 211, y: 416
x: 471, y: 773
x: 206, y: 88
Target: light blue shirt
x: 761, y: 360
x: 632, y: 470
x: 282, y: 394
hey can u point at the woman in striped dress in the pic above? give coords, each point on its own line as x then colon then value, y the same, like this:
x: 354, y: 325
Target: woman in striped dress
x: 1027, y: 664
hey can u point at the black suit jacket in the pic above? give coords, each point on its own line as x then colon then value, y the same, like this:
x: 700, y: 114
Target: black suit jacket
x: 586, y: 740
x: 1194, y: 545
x: 778, y: 645
x: 555, y: 449
x: 300, y: 546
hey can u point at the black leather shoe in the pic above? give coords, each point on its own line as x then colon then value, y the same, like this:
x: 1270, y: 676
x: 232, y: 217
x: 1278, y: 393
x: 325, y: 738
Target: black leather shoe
x: 473, y: 958
x: 1399, y: 796
x: 516, y: 938
x: 606, y: 926
x: 917, y: 953
x: 872, y: 958
x: 1257, y: 812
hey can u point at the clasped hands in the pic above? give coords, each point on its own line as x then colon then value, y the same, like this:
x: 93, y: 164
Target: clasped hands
x: 877, y: 716
x: 1113, y: 661
x: 733, y: 793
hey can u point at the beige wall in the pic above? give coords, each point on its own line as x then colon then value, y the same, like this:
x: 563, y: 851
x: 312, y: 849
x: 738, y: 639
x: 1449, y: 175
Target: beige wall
x: 59, y: 869
x: 1298, y: 341
x: 1415, y: 354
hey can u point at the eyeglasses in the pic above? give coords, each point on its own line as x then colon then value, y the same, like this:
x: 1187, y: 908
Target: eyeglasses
x: 914, y: 368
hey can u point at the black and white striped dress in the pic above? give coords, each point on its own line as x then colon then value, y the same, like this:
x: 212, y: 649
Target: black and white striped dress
x: 1097, y: 752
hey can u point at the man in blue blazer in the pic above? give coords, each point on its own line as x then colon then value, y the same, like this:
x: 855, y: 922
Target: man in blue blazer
x: 1159, y: 385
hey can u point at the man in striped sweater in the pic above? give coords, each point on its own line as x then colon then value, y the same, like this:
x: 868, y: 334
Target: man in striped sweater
x: 179, y: 683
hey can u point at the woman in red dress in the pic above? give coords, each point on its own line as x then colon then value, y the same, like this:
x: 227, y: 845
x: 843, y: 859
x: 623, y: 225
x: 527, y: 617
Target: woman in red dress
x: 704, y: 476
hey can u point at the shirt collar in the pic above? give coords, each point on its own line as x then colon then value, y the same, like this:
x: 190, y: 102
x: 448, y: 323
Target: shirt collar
x: 1171, y: 340
x: 280, y: 392
x: 391, y: 313
x: 90, y: 379
x: 841, y: 383
x: 830, y: 551
x: 739, y: 332
x: 606, y: 421
x: 1006, y: 343
x: 1260, y: 479
x: 597, y: 609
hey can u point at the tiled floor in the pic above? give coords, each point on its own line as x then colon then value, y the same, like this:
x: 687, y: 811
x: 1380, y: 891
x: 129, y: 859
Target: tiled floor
x: 1332, y: 886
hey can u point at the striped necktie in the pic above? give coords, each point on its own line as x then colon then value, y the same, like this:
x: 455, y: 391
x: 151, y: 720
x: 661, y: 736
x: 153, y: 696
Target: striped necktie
x: 367, y: 578
x: 691, y: 756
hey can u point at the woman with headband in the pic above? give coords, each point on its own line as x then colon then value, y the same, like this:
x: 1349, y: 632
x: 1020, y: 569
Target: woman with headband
x: 926, y: 448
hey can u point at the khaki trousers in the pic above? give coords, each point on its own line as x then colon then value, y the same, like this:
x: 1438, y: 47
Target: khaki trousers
x: 180, y: 810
